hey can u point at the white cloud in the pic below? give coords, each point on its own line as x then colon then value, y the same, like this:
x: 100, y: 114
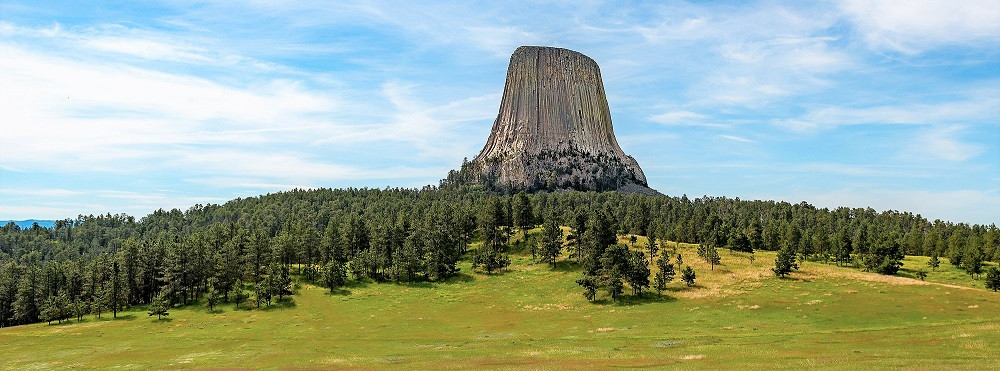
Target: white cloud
x: 761, y: 71
x: 59, y: 204
x: 686, y: 118
x: 914, y: 26
x: 501, y: 41
x: 979, y: 107
x: 942, y: 143
x: 197, y: 92
x: 737, y: 139
x: 101, y: 112
x: 424, y: 125
x: 245, y: 182
x: 38, y: 192
x: 148, y: 49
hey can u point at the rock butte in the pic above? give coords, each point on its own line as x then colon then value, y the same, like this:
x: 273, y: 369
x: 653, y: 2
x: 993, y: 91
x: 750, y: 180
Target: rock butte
x: 554, y: 129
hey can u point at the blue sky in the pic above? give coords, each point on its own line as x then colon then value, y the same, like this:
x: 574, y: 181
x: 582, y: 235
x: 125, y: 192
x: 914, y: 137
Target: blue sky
x: 118, y: 107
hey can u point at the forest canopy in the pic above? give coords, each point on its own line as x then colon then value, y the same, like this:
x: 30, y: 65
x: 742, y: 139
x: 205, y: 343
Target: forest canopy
x: 105, y: 263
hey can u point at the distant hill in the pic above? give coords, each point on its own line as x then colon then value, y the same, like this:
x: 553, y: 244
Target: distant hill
x: 28, y: 223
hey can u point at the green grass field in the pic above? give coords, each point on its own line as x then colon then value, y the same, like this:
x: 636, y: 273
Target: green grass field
x: 531, y: 316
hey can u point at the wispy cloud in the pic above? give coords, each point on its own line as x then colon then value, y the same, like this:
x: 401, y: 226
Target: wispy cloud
x: 981, y: 106
x: 54, y: 108
x: 39, y: 192
x: 197, y: 102
x: 737, y: 139
x: 942, y: 143
x: 920, y: 25
x: 684, y: 118
x: 66, y: 203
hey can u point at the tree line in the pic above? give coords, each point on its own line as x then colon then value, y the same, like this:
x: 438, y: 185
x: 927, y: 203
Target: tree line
x: 244, y: 251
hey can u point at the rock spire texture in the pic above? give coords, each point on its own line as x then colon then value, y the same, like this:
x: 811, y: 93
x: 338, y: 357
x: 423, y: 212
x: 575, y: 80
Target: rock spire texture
x: 553, y: 130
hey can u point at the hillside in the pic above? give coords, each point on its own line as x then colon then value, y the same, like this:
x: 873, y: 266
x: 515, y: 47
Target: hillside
x: 736, y: 316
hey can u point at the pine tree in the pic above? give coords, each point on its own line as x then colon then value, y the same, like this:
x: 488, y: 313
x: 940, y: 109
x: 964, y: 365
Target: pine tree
x: 523, y: 213
x: 711, y: 255
x: 490, y: 258
x: 551, y: 242
x: 8, y: 292
x: 237, y: 293
x: 688, y: 275
x: 334, y: 275
x: 993, y: 279
x: 26, y: 306
x: 212, y: 294
x: 597, y: 238
x: 99, y: 303
x: 613, y: 284
x: 972, y: 260
x: 49, y: 312
x: 280, y: 279
x: 262, y: 292
x: 260, y: 254
x: 116, y: 295
x: 664, y: 274
x: 406, y: 261
x: 161, y: 305
x: 784, y: 263
x: 638, y: 273
x: 652, y: 248
x: 614, y: 265
x: 934, y: 262
x: 590, y: 285
x: 80, y: 308
x: 64, y: 310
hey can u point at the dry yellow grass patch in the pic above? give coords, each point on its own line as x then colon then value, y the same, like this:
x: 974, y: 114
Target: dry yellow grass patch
x: 548, y: 307
x: 734, y: 276
x: 814, y: 269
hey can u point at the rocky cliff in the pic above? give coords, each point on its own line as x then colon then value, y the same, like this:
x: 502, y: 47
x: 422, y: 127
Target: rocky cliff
x: 553, y: 130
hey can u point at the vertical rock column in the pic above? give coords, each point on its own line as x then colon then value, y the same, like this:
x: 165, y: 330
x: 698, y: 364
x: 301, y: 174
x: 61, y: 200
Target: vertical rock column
x: 554, y: 121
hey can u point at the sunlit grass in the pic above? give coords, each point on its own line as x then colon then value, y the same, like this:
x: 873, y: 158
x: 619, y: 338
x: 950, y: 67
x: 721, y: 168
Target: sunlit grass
x: 531, y: 316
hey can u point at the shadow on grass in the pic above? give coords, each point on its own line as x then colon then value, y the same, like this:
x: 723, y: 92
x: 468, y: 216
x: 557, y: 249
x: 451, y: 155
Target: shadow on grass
x: 646, y: 298
x: 566, y: 266
x: 792, y: 278
x: 416, y: 284
x: 633, y: 300
x: 912, y: 273
x: 683, y: 287
x: 461, y: 277
x: 519, y: 248
x: 162, y: 320
x: 340, y: 291
x: 286, y: 303
x: 495, y: 273
x: 359, y: 283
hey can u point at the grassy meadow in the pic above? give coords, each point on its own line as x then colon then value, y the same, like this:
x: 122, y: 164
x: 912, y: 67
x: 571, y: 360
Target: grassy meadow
x: 531, y: 316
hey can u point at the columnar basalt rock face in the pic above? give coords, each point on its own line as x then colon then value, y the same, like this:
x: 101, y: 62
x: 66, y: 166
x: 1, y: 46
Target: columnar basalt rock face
x: 554, y: 129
